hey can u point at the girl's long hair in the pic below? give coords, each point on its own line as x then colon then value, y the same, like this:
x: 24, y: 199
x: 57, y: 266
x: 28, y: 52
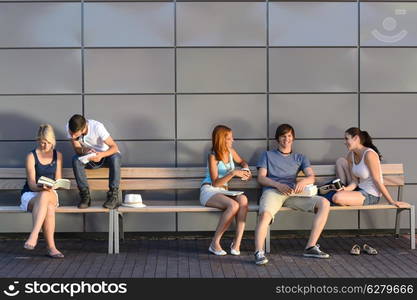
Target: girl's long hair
x: 365, y: 139
x: 218, y: 139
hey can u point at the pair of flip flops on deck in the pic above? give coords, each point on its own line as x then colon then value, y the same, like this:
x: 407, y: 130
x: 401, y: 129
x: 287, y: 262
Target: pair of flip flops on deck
x: 356, y: 250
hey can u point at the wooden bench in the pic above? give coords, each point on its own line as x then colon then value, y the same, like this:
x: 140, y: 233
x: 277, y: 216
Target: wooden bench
x: 190, y: 178
x: 14, y: 179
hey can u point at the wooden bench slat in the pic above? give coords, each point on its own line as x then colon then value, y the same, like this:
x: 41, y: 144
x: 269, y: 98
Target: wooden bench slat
x: 394, y: 180
x: 75, y: 209
x: 180, y: 183
x: 330, y: 170
x: 176, y: 208
x: 184, y: 208
x: 196, y: 172
x: 60, y: 209
x: 17, y: 184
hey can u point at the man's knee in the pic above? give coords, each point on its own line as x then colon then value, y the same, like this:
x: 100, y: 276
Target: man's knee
x: 116, y: 158
x: 323, y: 204
x: 265, y: 218
x: 76, y: 162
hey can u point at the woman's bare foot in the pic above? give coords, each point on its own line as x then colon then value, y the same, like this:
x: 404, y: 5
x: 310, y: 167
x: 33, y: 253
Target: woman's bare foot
x: 30, y: 243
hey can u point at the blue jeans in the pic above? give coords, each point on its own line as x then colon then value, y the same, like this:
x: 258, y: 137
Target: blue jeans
x: 369, y: 199
x: 113, y: 162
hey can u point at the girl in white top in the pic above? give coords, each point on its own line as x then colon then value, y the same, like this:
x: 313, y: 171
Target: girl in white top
x: 366, y: 185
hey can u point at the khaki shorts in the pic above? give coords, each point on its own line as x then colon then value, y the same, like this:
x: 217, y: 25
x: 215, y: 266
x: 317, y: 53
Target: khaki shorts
x: 272, y: 200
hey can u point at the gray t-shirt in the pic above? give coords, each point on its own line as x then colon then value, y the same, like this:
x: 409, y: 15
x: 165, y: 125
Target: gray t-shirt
x: 283, y: 168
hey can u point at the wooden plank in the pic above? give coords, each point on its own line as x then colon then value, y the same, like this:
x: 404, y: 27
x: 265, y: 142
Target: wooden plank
x: 394, y: 180
x: 75, y: 209
x: 11, y: 209
x: 198, y: 208
x: 185, y: 208
x: 179, y: 183
x: 168, y: 184
x: 17, y: 184
x: 366, y: 207
x: 176, y: 208
x: 194, y: 172
x: 60, y: 209
x: 342, y: 208
x: 66, y: 173
x: 330, y: 170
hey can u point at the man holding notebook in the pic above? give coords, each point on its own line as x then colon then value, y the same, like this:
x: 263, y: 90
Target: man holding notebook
x: 94, y: 148
x: 277, y: 173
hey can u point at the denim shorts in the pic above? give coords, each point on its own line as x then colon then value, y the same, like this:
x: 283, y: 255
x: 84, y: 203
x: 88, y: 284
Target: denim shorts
x: 369, y: 199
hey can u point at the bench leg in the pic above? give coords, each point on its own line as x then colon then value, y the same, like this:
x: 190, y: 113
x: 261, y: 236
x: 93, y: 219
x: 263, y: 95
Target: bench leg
x: 111, y: 231
x: 268, y: 240
x: 397, y: 222
x: 121, y: 227
x: 116, y: 231
x: 413, y: 227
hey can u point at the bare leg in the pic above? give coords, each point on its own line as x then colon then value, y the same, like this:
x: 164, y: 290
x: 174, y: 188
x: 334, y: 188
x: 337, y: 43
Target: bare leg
x: 230, y: 208
x: 39, y: 209
x: 343, y: 171
x: 49, y: 227
x: 348, y: 198
x: 320, y: 219
x: 261, y: 230
x: 240, y: 220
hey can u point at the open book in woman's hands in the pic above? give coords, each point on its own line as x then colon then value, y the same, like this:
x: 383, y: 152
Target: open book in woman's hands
x: 55, y: 184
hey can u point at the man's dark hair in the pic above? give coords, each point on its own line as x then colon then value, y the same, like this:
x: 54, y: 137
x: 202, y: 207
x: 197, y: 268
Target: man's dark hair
x: 284, y: 129
x: 76, y: 123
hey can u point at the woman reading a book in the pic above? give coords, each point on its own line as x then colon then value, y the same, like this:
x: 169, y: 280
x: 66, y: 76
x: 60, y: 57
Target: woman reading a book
x: 42, y: 200
x: 220, y: 170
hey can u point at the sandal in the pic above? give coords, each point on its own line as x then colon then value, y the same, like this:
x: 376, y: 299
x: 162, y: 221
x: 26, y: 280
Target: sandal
x: 356, y: 250
x: 369, y: 250
x: 56, y: 255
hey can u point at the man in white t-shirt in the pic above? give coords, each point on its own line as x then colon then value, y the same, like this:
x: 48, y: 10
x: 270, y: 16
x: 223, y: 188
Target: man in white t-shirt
x: 89, y: 137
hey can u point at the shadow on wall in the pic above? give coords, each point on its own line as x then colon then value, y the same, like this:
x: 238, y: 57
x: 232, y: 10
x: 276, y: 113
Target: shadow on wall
x: 15, y: 129
x: 150, y: 151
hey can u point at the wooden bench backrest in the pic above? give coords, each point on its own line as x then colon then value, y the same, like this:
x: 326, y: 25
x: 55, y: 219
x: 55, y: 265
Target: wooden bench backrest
x: 179, y: 178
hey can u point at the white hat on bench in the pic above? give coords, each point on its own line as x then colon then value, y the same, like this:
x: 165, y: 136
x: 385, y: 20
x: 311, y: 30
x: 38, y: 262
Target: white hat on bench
x: 133, y: 200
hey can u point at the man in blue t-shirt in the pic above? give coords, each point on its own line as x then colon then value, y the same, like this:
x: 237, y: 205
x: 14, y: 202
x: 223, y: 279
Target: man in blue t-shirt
x: 277, y: 173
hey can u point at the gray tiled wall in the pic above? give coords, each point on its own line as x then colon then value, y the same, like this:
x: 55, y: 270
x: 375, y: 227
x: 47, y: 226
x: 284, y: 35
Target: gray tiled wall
x: 161, y: 74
